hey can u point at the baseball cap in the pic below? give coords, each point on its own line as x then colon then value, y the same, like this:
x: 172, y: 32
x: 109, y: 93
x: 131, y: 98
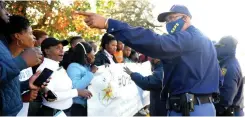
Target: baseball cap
x: 174, y: 9
x: 227, y: 41
x: 49, y: 42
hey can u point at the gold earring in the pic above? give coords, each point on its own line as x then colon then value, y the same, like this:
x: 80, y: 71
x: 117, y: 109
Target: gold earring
x: 18, y: 43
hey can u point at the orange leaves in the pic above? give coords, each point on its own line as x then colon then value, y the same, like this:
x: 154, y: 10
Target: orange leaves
x: 62, y: 22
x: 55, y: 17
x: 77, y: 3
x: 81, y: 26
x: 78, y: 21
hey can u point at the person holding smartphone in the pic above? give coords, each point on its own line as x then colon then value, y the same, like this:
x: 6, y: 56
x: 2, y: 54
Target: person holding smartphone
x: 21, y: 37
x: 81, y: 73
x: 60, y: 84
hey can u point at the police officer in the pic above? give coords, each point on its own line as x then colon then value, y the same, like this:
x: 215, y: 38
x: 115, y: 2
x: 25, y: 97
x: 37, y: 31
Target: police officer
x: 190, y: 61
x: 231, y: 97
x: 152, y: 83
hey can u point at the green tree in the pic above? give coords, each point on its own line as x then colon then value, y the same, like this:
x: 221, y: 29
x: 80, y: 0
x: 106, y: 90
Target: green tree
x: 56, y: 18
x: 134, y: 12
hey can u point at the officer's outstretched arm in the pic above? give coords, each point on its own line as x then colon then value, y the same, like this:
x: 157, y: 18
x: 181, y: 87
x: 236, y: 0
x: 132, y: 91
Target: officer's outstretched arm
x: 149, y: 43
x: 229, y: 89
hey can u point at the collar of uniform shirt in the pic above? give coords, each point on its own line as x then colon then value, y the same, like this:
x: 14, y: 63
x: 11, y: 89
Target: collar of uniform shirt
x: 108, y: 54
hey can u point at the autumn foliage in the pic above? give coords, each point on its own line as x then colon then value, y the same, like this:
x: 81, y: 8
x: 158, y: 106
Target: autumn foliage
x: 56, y: 18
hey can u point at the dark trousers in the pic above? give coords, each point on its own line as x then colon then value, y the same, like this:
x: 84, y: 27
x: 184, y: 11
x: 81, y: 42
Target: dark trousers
x: 78, y: 110
x: 47, y: 111
x: 34, y: 108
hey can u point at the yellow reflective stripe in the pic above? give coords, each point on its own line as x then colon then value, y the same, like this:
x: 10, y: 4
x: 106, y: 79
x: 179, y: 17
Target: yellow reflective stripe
x: 174, y: 28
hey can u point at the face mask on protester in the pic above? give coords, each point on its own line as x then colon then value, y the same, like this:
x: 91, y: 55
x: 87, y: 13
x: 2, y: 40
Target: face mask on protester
x: 221, y: 52
x: 175, y: 26
x: 225, y: 50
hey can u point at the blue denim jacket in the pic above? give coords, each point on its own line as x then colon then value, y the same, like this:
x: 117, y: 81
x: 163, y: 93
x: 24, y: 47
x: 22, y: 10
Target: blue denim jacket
x: 10, y: 86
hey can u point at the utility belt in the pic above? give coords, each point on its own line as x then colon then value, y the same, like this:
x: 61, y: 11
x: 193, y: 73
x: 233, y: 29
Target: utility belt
x: 184, y: 103
x: 216, y: 98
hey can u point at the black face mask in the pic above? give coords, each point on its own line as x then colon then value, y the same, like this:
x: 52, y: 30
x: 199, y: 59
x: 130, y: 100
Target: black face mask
x: 226, y: 47
x: 225, y: 51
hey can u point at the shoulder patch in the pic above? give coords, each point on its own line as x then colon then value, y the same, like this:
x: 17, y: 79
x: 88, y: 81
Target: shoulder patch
x: 223, y: 71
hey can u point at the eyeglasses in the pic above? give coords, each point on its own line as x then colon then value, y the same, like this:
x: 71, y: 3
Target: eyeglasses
x: 173, y: 18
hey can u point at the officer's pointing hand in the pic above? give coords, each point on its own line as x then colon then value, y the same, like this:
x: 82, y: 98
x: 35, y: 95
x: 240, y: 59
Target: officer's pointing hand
x: 94, y: 20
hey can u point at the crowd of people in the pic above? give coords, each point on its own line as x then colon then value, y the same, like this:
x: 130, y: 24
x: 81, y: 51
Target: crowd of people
x: 191, y: 76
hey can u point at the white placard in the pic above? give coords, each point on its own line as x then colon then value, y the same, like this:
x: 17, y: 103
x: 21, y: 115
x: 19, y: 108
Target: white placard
x: 115, y: 94
x: 25, y: 75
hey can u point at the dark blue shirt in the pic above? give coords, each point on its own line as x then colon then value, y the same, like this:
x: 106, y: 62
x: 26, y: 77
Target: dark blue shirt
x: 153, y: 83
x: 196, y: 68
x: 231, y: 93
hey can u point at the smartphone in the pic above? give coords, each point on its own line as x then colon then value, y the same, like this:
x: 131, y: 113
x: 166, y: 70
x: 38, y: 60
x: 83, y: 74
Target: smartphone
x: 51, y: 96
x: 46, y: 73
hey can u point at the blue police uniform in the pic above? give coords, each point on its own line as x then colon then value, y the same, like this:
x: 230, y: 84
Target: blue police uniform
x: 190, y: 60
x: 231, y: 93
x: 153, y: 83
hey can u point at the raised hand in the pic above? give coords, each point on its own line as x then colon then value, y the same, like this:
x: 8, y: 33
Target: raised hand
x: 31, y: 57
x: 127, y: 70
